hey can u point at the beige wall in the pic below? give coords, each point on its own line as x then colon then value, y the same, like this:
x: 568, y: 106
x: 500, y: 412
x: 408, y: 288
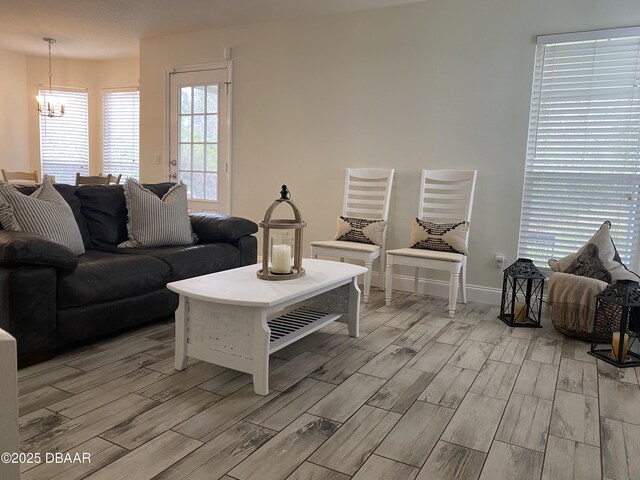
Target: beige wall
x: 437, y: 84
x: 93, y: 75
x: 14, y: 141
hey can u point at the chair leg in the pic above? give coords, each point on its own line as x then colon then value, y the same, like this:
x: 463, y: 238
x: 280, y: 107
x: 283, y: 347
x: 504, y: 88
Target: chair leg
x: 416, y: 280
x: 463, y: 281
x: 314, y: 253
x: 388, y: 283
x: 381, y: 266
x: 453, y: 292
x: 367, y: 280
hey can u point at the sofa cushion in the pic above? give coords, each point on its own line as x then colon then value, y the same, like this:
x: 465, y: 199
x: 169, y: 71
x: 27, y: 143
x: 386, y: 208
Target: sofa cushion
x: 102, y: 276
x: 105, y: 210
x: 190, y: 261
x: 68, y: 192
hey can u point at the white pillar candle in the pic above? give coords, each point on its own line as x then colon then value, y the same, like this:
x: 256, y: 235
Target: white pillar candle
x: 281, y: 259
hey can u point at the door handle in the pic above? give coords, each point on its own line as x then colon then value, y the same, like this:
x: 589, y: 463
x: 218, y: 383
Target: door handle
x: 173, y: 163
x: 173, y: 175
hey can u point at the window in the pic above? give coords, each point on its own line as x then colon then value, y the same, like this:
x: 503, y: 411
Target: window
x: 583, y: 153
x: 121, y: 127
x: 64, y: 141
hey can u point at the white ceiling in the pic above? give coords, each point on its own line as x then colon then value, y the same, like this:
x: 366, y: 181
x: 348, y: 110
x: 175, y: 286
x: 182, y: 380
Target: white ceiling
x: 101, y: 29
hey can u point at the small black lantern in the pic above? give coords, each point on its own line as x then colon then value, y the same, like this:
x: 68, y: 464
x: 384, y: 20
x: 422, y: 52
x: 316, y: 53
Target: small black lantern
x: 617, y: 320
x: 522, y: 288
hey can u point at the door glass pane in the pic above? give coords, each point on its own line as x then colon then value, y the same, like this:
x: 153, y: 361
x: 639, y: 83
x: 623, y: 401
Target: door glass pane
x: 185, y: 129
x: 198, y: 157
x: 185, y: 157
x: 212, y: 99
x: 198, y: 128
x: 197, y: 185
x: 211, y: 186
x: 212, y: 128
x: 198, y: 99
x: 185, y: 100
x: 212, y: 157
x: 185, y: 177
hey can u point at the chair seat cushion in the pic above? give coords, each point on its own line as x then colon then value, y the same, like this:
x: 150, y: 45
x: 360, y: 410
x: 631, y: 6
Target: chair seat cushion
x: 427, y: 254
x: 339, y: 244
x: 103, y: 276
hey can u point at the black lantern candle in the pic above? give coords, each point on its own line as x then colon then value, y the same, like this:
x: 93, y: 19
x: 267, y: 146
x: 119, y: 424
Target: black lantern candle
x: 617, y: 320
x: 282, y: 252
x: 522, y: 288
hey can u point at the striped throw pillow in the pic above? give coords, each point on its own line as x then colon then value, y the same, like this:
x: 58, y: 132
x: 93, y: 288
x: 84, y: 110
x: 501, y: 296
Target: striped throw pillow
x: 44, y: 212
x: 154, y: 221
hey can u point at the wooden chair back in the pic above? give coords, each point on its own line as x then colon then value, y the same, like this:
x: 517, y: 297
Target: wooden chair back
x: 13, y: 176
x: 93, y: 179
x: 367, y: 193
x: 447, y: 195
x: 115, y: 179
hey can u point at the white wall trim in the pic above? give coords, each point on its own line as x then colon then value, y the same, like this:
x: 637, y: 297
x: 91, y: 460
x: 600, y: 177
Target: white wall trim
x: 437, y: 288
x: 440, y: 288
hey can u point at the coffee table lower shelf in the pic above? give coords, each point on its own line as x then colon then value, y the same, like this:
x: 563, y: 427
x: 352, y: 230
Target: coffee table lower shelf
x: 296, y: 324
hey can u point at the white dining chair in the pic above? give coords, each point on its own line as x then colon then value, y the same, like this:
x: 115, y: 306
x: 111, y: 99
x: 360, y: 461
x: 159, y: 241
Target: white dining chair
x: 446, y: 196
x: 367, y: 194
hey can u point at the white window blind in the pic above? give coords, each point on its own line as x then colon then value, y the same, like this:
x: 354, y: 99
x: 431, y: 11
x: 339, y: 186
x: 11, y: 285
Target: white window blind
x: 583, y: 161
x: 121, y: 132
x: 64, y: 141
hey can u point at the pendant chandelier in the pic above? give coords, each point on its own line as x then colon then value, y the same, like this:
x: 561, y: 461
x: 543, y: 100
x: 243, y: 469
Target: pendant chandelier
x: 48, y: 105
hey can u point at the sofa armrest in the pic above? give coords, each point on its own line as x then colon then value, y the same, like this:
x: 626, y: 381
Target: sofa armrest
x: 24, y: 248
x: 221, y: 228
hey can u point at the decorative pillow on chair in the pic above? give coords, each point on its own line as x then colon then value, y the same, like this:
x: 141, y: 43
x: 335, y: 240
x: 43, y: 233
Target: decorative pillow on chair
x: 154, y: 221
x: 598, y: 258
x: 44, y: 212
x: 360, y: 230
x: 443, y: 237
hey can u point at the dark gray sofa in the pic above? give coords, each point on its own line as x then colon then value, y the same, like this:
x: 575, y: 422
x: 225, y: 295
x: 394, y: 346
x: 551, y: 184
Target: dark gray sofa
x: 51, y: 299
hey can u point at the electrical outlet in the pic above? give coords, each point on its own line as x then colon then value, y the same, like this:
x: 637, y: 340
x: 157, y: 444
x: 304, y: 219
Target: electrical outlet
x: 499, y: 261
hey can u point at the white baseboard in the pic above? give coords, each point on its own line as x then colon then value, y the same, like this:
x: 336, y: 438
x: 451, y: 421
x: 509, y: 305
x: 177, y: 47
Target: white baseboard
x: 440, y: 288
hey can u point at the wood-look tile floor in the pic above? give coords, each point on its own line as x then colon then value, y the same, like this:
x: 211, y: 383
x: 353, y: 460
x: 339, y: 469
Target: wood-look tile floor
x: 416, y: 396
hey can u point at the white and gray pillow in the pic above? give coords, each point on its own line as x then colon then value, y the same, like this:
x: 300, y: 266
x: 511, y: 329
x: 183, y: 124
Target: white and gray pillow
x: 360, y: 230
x: 44, y: 212
x: 598, y: 258
x: 154, y: 221
x: 442, y: 237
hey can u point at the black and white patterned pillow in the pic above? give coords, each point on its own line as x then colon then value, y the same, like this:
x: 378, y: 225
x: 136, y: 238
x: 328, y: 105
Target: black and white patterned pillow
x: 154, y: 221
x: 598, y: 254
x: 360, y: 230
x: 44, y: 212
x: 443, y: 237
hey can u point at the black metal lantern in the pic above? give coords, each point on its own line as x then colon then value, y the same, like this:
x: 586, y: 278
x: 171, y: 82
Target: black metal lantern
x: 617, y: 320
x: 522, y: 288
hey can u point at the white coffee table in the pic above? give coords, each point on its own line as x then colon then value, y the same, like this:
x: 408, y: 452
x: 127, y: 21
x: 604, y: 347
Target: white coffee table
x: 236, y: 320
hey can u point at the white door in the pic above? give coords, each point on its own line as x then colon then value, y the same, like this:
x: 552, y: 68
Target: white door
x: 199, y: 137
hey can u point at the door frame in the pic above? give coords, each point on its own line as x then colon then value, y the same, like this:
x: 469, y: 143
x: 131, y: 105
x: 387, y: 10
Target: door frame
x: 200, y: 67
